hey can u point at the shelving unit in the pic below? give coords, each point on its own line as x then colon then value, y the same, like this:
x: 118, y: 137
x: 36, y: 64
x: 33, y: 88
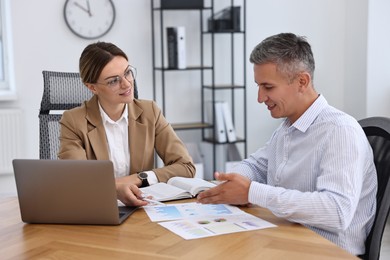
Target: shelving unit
x: 220, y: 69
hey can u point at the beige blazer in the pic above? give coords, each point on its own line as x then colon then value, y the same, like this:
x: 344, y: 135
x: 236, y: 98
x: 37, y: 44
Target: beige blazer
x: 83, y: 137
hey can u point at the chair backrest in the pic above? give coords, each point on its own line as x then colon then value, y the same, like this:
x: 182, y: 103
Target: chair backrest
x: 377, y: 130
x: 61, y: 91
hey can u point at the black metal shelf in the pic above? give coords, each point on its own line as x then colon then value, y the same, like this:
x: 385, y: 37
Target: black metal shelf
x: 213, y: 141
x: 209, y: 87
x: 180, y: 9
x: 187, y: 68
x: 223, y: 32
x: 191, y: 126
x: 224, y: 87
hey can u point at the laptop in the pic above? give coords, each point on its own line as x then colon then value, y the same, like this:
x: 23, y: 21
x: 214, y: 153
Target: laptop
x: 68, y: 192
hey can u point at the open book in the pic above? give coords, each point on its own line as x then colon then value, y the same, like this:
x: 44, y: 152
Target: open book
x: 177, y: 188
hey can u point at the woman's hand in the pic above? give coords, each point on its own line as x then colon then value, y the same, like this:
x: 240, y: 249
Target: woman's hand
x: 129, y: 194
x: 129, y: 179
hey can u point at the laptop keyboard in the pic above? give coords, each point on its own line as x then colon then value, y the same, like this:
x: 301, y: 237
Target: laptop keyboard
x: 123, y: 210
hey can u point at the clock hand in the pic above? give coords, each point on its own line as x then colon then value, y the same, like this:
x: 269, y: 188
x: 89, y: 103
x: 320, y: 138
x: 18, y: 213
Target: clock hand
x: 89, y: 8
x: 81, y: 7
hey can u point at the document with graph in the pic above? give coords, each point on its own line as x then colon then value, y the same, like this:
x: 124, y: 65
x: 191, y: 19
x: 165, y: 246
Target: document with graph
x: 208, y: 226
x: 194, y: 220
x: 189, y: 210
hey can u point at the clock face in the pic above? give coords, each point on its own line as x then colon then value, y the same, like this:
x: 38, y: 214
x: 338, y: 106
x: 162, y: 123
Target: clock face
x: 89, y: 19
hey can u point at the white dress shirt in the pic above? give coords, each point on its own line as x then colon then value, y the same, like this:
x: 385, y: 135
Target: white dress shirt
x: 318, y: 172
x: 118, y: 143
x: 117, y: 134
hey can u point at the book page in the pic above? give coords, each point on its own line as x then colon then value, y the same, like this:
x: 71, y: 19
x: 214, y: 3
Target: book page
x: 164, y: 192
x: 192, y: 185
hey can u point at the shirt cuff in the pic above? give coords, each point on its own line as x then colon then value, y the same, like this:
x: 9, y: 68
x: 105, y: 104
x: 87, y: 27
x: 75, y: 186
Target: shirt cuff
x: 152, y: 178
x: 258, y: 194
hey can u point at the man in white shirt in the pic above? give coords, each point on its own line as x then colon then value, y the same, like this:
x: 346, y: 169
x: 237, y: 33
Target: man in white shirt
x: 317, y: 169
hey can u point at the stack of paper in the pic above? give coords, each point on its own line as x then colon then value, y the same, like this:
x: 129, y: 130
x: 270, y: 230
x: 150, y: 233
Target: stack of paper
x: 233, y: 157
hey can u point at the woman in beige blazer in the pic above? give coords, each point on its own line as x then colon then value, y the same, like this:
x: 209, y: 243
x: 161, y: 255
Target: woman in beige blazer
x: 114, y: 126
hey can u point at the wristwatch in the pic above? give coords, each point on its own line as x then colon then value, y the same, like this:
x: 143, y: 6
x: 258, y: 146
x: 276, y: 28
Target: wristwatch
x: 143, y: 176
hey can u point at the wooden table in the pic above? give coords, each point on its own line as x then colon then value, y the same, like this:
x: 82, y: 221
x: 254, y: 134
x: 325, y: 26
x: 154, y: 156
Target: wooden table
x: 139, y: 238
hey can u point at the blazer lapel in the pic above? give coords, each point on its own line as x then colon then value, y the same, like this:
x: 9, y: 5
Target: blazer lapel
x: 96, y: 133
x: 137, y: 143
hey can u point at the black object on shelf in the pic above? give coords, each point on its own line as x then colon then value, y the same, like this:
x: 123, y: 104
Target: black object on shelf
x: 176, y: 47
x: 226, y: 20
x: 181, y: 4
x: 172, y: 47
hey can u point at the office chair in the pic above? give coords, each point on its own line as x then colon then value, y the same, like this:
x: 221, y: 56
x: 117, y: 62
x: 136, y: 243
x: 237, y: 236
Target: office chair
x: 61, y: 91
x: 377, y: 130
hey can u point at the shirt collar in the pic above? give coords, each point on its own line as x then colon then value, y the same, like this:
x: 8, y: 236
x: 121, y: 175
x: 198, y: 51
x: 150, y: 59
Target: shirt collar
x: 308, y: 117
x: 107, y: 119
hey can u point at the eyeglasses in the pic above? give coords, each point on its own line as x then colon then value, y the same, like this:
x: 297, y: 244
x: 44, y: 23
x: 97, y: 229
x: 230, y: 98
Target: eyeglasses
x: 115, y: 81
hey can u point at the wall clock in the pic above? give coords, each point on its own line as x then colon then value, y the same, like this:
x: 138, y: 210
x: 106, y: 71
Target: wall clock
x: 89, y: 19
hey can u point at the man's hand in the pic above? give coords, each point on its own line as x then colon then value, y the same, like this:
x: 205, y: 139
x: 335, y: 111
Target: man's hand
x: 233, y: 190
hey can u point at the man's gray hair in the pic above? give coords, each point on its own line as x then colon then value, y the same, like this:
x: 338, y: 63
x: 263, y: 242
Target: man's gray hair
x: 292, y: 54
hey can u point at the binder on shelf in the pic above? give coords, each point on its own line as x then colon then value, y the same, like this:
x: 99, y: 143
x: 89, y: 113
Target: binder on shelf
x: 176, y: 47
x: 219, y: 123
x: 227, y: 118
x: 226, y: 20
x: 181, y: 4
x: 220, y: 131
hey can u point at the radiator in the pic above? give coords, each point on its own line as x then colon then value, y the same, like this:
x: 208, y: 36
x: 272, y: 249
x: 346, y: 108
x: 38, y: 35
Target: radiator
x: 10, y: 138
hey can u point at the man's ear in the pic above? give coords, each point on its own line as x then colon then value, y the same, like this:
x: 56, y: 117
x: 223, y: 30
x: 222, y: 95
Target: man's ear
x: 304, y: 80
x: 91, y: 87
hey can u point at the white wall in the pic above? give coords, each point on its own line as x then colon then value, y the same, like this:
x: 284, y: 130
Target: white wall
x: 43, y: 42
x: 378, y: 57
x: 355, y: 65
x: 323, y: 23
x: 336, y: 29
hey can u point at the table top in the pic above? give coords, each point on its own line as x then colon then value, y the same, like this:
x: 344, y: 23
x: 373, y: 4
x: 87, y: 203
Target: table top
x: 139, y: 238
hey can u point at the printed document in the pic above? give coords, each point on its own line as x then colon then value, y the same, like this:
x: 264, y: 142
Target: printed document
x: 194, y: 220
